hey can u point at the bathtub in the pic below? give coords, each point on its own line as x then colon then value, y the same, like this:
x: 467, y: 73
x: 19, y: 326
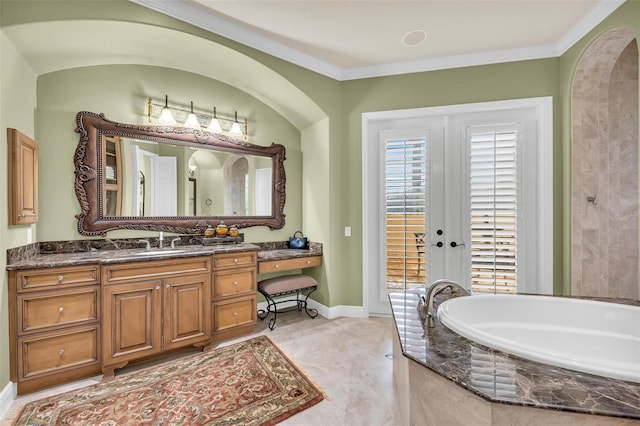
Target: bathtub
x: 589, y: 336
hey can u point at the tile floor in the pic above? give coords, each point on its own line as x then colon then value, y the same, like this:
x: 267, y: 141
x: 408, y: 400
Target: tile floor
x: 346, y: 357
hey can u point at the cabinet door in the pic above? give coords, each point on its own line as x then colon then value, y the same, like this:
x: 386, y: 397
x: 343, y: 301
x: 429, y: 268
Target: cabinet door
x: 187, y: 310
x: 23, y: 178
x: 132, y: 321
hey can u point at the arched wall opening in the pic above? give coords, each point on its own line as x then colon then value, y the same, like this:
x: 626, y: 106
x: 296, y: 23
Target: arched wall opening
x: 604, y: 168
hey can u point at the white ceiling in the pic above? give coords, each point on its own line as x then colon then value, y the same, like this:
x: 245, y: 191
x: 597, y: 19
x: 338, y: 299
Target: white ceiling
x: 361, y: 38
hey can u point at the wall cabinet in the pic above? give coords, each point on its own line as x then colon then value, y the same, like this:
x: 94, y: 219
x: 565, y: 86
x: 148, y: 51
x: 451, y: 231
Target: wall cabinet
x: 23, y: 178
x: 154, y: 307
x: 54, y: 325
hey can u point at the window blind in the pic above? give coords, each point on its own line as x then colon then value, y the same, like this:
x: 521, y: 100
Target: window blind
x: 493, y: 209
x: 405, y: 209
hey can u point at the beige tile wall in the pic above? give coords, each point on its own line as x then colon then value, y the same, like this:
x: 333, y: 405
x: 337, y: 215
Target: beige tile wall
x: 604, y: 162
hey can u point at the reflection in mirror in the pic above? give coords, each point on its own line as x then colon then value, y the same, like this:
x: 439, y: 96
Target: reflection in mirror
x: 166, y: 174
x: 173, y: 179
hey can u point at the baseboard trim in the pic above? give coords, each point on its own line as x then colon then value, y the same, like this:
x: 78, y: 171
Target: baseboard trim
x: 7, y: 396
x: 326, y: 311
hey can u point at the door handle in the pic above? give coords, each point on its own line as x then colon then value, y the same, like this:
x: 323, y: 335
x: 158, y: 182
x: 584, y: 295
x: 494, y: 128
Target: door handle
x: 454, y: 244
x: 438, y: 244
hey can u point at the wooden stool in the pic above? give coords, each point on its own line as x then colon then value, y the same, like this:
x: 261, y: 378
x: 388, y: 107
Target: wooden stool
x: 282, y: 286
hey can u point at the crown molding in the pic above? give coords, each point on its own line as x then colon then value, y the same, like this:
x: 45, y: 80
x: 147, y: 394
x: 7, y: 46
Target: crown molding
x: 603, y: 9
x: 200, y: 17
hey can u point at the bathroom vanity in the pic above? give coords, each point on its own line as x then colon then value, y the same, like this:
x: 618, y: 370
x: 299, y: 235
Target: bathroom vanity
x: 78, y: 314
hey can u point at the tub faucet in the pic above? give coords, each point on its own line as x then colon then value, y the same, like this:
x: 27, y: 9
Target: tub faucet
x: 160, y: 239
x: 436, y: 288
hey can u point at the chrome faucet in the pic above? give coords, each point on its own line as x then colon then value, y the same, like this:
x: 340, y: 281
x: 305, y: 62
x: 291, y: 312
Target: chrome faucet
x: 160, y: 239
x: 146, y: 242
x: 436, y: 288
x: 174, y: 241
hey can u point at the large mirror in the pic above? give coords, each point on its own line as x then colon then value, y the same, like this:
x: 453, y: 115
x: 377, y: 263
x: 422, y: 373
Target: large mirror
x: 173, y: 179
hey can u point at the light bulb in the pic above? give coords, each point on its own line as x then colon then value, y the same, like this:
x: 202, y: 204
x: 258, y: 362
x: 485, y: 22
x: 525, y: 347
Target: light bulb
x: 236, y: 130
x: 166, y: 117
x: 192, y: 120
x: 214, y: 125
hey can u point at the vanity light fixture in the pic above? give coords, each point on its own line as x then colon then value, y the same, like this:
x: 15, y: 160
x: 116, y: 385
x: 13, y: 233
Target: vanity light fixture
x: 166, y: 117
x: 192, y: 120
x: 235, y: 127
x: 172, y: 116
x: 214, y: 124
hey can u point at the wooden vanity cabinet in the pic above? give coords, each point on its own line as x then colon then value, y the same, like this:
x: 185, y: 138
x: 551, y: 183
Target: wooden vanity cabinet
x: 234, y: 294
x: 54, y: 325
x: 154, y: 306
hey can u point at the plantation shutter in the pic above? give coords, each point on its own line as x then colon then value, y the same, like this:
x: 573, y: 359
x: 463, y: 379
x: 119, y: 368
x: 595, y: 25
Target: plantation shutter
x: 493, y: 208
x: 405, y: 199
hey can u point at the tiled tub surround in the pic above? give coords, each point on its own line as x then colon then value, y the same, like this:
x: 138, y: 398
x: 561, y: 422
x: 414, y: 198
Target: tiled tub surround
x: 448, y: 379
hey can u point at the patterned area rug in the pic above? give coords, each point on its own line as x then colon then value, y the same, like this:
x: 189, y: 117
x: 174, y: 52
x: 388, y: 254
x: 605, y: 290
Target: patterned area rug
x: 248, y: 383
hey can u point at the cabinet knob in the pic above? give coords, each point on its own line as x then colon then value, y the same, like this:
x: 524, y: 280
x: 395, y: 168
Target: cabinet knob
x: 235, y: 314
x: 235, y: 283
x: 61, y: 352
x: 277, y: 266
x: 308, y: 262
x: 167, y: 286
x: 61, y: 309
x: 235, y: 260
x: 157, y: 287
x: 60, y: 278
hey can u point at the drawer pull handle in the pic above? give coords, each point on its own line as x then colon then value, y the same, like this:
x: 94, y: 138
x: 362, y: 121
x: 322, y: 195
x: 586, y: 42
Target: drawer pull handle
x: 308, y: 262
x: 235, y: 314
x: 235, y: 260
x: 60, y: 278
x: 61, y: 309
x: 277, y: 266
x: 61, y: 352
x: 235, y: 283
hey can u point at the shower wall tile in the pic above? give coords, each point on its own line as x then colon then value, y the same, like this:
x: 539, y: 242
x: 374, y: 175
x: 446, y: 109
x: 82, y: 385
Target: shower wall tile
x: 604, y: 237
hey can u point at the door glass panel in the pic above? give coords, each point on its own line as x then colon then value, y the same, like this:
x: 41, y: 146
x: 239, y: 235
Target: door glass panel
x: 493, y: 206
x: 405, y: 207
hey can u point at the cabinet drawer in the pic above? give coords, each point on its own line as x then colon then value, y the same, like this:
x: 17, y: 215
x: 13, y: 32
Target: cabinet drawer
x: 45, y: 279
x: 153, y: 269
x: 227, y: 315
x: 47, y: 354
x: 234, y: 283
x: 288, y: 264
x: 226, y: 260
x: 48, y: 310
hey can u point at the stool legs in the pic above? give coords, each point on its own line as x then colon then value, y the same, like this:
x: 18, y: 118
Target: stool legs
x: 300, y: 304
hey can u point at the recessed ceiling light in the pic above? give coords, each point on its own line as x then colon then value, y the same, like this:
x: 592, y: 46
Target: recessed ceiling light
x: 414, y: 38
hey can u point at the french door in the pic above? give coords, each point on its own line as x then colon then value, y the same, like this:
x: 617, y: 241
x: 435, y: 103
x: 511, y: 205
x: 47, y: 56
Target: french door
x: 454, y: 199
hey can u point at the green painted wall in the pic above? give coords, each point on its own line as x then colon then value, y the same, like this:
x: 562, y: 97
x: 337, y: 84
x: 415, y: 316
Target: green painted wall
x: 121, y: 92
x: 17, y: 106
x: 448, y: 87
x: 324, y: 155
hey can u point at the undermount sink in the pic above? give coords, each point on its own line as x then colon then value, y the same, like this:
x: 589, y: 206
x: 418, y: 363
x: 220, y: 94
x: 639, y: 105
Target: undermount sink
x: 158, y: 252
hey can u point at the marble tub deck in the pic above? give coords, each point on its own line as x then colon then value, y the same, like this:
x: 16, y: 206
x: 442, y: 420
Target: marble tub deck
x: 506, y: 379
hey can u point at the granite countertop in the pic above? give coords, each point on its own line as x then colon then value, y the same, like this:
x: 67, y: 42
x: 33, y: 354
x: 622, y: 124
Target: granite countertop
x: 53, y: 254
x: 503, y: 378
x: 103, y: 257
